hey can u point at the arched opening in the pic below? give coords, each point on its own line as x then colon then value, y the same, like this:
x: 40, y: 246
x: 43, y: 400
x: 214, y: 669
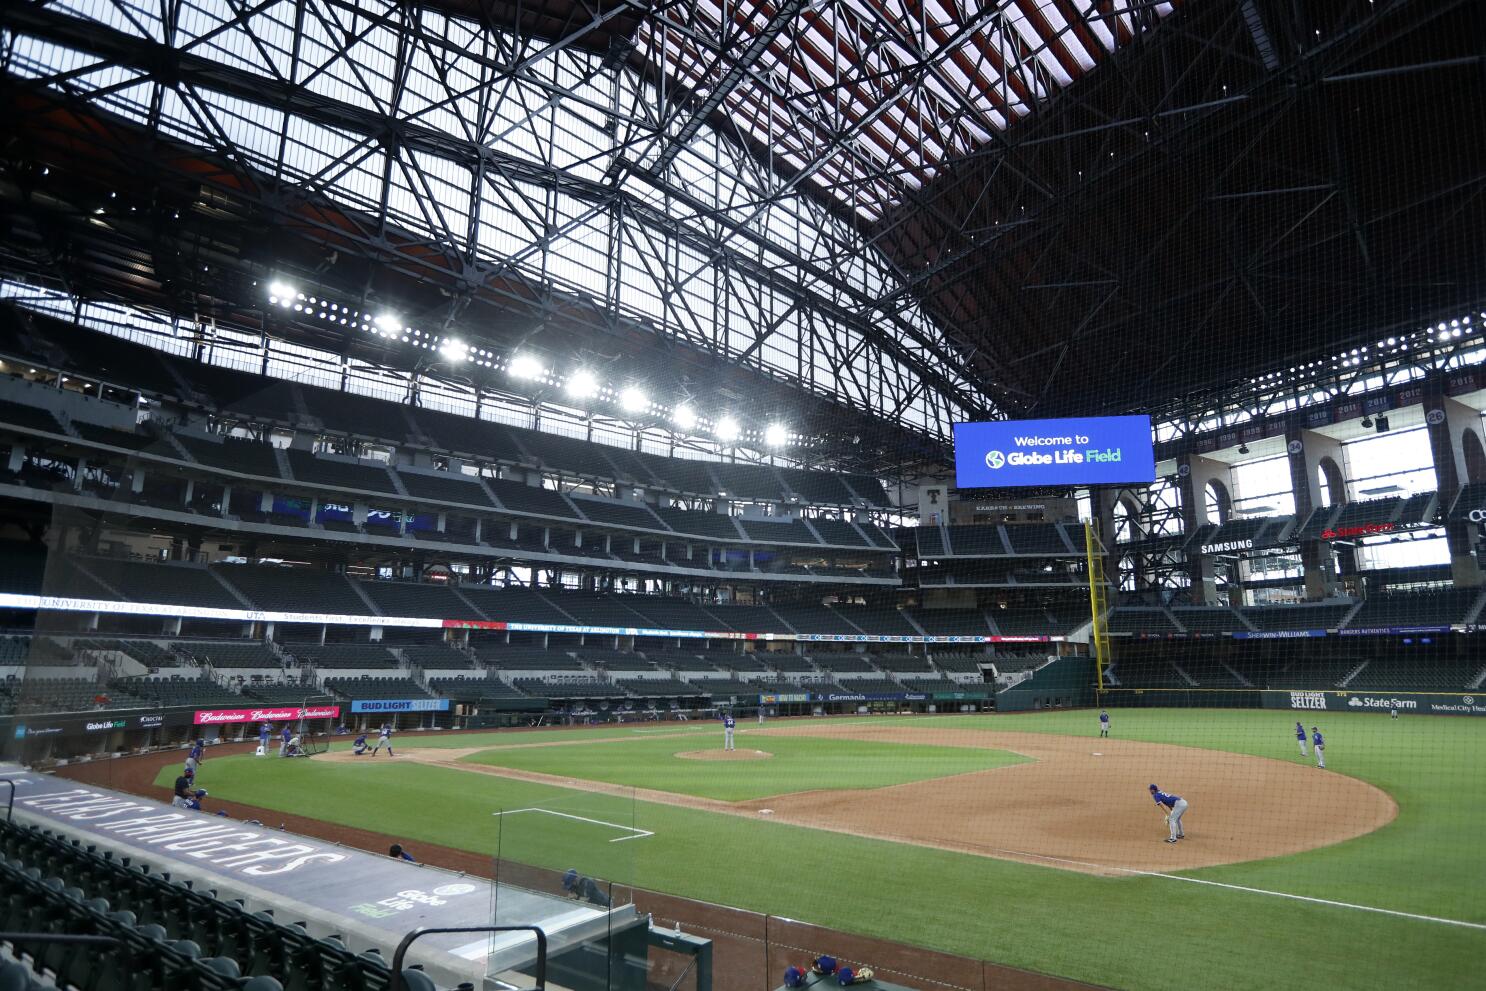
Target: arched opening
x: 1329, y: 480
x: 1475, y: 456
x: 1217, y: 503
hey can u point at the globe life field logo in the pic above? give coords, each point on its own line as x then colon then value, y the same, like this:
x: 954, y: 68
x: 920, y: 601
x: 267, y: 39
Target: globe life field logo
x: 995, y: 459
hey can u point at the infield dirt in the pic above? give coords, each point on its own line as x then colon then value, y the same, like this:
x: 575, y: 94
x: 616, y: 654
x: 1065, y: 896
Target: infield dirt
x: 1080, y: 803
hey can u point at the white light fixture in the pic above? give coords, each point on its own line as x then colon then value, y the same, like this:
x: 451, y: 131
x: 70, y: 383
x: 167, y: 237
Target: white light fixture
x: 633, y: 399
x: 281, y: 293
x: 454, y: 350
x: 388, y: 323
x: 524, y: 366
x: 582, y: 384
x: 776, y: 435
x: 685, y: 418
x: 727, y: 430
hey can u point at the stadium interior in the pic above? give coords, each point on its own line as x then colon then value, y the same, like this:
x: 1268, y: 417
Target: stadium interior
x: 550, y: 364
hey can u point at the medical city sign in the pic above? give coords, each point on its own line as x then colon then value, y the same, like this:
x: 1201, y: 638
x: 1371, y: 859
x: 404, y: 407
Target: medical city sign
x: 1084, y: 451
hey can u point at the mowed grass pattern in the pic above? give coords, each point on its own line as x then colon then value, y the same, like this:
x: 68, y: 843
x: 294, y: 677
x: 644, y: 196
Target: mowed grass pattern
x: 1132, y: 932
x: 796, y: 764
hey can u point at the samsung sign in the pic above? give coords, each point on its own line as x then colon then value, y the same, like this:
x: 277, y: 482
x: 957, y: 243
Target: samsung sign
x: 1086, y: 451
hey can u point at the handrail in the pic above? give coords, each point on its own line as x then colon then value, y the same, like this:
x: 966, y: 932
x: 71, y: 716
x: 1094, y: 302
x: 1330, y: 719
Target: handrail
x: 407, y: 941
x: 10, y: 802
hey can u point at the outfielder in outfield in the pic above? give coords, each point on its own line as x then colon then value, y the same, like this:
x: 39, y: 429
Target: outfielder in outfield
x: 1319, y: 742
x: 1103, y: 723
x: 1174, y: 807
x: 1300, y: 738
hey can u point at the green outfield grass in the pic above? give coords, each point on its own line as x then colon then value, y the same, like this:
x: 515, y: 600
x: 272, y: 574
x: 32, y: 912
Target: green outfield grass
x: 797, y: 764
x: 1136, y: 932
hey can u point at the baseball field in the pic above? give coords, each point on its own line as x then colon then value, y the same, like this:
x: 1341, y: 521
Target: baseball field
x: 1024, y: 839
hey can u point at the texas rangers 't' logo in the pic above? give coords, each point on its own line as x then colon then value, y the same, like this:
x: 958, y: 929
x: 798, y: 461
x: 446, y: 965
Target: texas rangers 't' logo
x: 995, y: 459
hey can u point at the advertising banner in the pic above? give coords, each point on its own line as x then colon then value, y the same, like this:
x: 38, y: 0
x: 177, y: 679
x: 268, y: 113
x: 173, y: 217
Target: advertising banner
x: 1372, y: 631
x: 1405, y: 703
x: 1083, y: 451
x: 1276, y: 634
x: 870, y: 697
x: 783, y: 699
x: 400, y: 705
x: 275, y: 714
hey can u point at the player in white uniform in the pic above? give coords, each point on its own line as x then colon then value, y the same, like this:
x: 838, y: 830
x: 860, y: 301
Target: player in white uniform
x: 728, y: 724
x: 1319, y: 742
x: 384, y: 740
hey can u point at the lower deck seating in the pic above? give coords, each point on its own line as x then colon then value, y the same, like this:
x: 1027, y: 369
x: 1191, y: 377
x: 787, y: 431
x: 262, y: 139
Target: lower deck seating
x: 168, y: 934
x: 376, y: 688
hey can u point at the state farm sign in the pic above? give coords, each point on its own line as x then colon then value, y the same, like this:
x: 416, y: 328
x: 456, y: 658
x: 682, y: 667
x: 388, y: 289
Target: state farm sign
x: 1365, y: 530
x: 215, y: 717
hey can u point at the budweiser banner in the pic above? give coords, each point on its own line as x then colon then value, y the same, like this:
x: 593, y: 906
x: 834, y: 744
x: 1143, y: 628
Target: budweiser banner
x: 216, y: 717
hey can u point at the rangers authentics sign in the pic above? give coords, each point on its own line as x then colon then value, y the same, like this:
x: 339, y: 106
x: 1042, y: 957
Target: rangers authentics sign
x: 216, y: 717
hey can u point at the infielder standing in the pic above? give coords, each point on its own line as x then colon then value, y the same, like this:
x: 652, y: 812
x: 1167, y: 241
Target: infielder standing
x: 1175, y: 806
x: 1320, y: 745
x: 728, y: 723
x: 1300, y: 737
x: 1103, y: 723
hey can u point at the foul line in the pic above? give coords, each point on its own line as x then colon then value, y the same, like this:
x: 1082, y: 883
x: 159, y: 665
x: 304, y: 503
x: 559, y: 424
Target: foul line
x: 1262, y: 891
x: 637, y: 834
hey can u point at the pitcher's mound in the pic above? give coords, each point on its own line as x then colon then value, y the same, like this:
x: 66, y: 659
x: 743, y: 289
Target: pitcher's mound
x: 725, y: 755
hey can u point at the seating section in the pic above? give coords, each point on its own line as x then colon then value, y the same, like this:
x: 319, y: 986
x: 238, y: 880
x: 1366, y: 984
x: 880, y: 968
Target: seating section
x: 976, y: 541
x: 167, y: 934
x: 843, y: 663
x: 200, y: 692
x: 1148, y: 672
x: 621, y: 514
x: 419, y: 600
x: 375, y: 688
x: 1023, y: 622
x: 1410, y: 672
x: 1210, y: 619
x: 226, y: 654
x: 287, y: 589
x: 368, y: 476
x: 248, y: 457
x: 472, y: 688
x: 1320, y: 617
x: 867, y: 686
x: 436, y: 656
x: 29, y: 417
x: 777, y: 531
x: 839, y: 533
x: 1439, y: 608
x: 176, y: 584
x: 445, y: 487
x: 966, y: 662
x: 32, y: 695
x: 503, y: 657
x: 522, y: 498
x: 344, y: 656
x: 951, y: 622
x: 570, y: 689
x: 1135, y: 620
x: 1040, y: 538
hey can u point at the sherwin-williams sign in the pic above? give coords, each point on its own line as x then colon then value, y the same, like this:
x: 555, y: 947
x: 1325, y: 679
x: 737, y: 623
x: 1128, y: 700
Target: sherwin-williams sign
x: 1084, y: 451
x: 401, y: 705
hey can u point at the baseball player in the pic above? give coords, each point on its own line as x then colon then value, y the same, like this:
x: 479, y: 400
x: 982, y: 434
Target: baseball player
x: 728, y: 724
x: 193, y: 801
x: 1300, y: 738
x: 359, y: 746
x: 284, y: 739
x: 1175, y: 806
x: 385, y: 740
x: 265, y: 730
x: 1103, y: 723
x: 1319, y: 742
x: 182, y: 790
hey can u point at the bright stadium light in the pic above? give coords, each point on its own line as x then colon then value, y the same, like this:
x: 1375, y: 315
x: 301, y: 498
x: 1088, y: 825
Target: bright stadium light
x: 454, y: 350
x: 582, y: 385
x: 388, y: 323
x: 727, y: 430
x: 633, y: 399
x: 281, y: 294
x: 776, y: 435
x: 524, y: 366
x: 685, y: 418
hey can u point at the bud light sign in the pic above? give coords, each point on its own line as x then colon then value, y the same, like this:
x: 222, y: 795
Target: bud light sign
x: 1061, y: 453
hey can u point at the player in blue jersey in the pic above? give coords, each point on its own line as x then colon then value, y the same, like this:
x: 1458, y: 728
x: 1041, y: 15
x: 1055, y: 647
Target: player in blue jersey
x: 265, y: 730
x: 285, y: 735
x: 1174, y: 807
x: 1319, y: 742
x: 1300, y: 738
x: 385, y: 740
x: 728, y: 725
x: 1103, y: 723
x: 359, y: 746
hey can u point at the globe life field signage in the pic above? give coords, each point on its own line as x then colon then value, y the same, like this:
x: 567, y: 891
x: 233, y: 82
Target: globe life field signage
x: 1086, y: 451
